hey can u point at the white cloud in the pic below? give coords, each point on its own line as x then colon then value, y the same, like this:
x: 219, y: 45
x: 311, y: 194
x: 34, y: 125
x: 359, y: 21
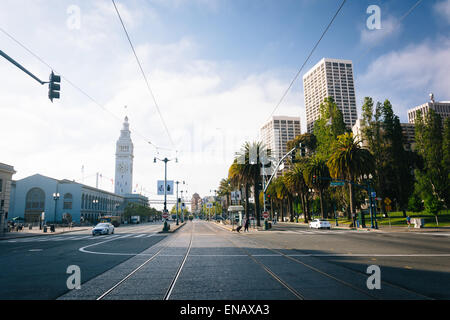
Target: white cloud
x: 390, y: 27
x: 443, y: 9
x: 402, y: 75
x: 211, y: 107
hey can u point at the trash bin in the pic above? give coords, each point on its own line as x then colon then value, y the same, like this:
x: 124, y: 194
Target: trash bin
x: 30, y: 227
x: 52, y: 228
x: 45, y: 229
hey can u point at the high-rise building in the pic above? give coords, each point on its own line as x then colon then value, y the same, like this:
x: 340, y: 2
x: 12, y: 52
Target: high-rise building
x: 330, y: 78
x: 124, y: 161
x: 442, y: 108
x: 277, y: 132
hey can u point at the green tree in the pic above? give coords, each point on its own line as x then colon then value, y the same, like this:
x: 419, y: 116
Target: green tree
x: 317, y: 176
x: 297, y: 184
x: 349, y: 161
x: 432, y: 180
x: 328, y: 127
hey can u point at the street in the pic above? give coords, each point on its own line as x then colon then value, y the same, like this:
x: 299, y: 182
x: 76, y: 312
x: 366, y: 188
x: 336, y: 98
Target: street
x: 204, y: 260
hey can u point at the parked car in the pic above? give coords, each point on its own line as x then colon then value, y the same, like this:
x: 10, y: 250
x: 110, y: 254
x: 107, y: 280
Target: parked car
x: 103, y: 228
x: 320, y: 224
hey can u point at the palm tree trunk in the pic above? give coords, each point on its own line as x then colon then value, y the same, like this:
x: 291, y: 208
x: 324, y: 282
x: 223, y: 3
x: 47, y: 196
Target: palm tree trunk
x: 246, y: 202
x: 321, y: 204
x: 291, y: 202
x: 305, y: 215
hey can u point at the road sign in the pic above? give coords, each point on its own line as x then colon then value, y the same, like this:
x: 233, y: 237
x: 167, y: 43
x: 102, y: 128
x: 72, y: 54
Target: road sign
x: 378, y: 199
x: 337, y: 184
x: 165, y: 215
x: 373, y: 194
x: 236, y: 195
x: 387, y: 201
x: 265, y: 215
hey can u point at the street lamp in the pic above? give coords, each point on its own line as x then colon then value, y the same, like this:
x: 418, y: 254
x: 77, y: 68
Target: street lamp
x: 56, y: 196
x: 368, y: 181
x: 95, y: 202
x: 178, y: 182
x: 165, y: 160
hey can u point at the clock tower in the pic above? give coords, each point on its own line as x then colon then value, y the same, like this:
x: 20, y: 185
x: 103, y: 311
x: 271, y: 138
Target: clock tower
x: 124, y: 161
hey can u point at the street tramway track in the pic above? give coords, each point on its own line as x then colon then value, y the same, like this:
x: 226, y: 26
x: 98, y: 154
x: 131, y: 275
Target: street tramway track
x: 321, y: 272
x: 297, y: 294
x: 175, y: 278
x: 157, y: 253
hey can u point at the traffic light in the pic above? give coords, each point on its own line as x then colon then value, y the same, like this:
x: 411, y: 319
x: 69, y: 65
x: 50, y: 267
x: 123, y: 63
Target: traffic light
x: 54, y: 87
x: 314, y: 179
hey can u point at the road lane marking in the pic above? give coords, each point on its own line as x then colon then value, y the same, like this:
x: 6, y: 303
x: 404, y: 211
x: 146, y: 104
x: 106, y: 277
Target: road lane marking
x: 140, y: 235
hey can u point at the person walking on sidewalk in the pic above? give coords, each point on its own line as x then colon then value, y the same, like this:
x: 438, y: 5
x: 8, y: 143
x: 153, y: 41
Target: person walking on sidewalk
x: 408, y: 221
x: 247, y: 223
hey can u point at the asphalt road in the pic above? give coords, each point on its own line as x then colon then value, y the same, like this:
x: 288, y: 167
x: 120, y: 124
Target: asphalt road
x: 205, y: 261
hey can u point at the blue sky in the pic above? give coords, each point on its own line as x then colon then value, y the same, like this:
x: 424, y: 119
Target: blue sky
x: 217, y: 69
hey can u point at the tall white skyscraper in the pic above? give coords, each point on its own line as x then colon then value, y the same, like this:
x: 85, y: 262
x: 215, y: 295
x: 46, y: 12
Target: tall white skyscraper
x: 330, y: 78
x: 124, y: 161
x: 277, y: 132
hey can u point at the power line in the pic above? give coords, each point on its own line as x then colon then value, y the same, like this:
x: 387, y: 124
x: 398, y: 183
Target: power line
x: 307, y: 59
x: 78, y: 88
x: 143, y: 74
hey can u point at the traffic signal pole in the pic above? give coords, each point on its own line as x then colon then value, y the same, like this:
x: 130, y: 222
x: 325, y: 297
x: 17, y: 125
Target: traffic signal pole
x: 54, y: 83
x: 18, y: 65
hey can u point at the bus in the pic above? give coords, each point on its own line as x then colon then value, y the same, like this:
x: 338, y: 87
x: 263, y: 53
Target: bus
x: 114, y: 220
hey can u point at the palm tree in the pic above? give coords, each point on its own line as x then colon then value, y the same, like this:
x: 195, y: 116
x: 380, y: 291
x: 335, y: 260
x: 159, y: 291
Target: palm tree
x: 238, y: 180
x: 317, y: 176
x: 297, y: 184
x: 251, y: 157
x: 281, y: 192
x: 349, y: 161
x: 225, y: 190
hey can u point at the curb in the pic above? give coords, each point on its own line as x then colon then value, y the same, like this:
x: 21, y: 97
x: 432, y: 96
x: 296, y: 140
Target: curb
x: 28, y: 235
x: 175, y: 230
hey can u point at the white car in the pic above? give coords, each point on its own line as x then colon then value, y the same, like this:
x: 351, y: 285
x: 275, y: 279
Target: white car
x: 320, y: 224
x: 103, y: 228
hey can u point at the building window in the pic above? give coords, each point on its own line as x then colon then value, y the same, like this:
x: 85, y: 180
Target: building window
x: 67, y: 201
x: 1, y: 185
x: 35, y: 200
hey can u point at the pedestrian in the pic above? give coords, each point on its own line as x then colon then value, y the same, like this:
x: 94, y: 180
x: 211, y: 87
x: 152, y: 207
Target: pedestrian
x: 408, y: 221
x: 238, y: 229
x: 247, y: 223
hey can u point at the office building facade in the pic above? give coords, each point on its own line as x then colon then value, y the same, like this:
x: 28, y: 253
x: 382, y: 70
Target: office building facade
x: 330, y: 78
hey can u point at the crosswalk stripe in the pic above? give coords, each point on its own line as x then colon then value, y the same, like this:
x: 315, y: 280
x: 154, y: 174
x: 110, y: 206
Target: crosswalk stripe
x: 139, y: 236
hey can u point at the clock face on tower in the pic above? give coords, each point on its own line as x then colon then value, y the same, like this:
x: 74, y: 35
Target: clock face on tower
x: 122, y: 167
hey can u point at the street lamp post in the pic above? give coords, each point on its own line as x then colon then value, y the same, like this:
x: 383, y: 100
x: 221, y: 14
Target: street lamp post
x: 165, y: 160
x: 95, y: 202
x: 56, y: 196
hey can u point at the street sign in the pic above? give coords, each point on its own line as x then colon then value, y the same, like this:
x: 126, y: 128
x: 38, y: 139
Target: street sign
x: 378, y: 199
x: 265, y: 215
x: 373, y: 194
x: 236, y: 195
x: 165, y: 215
x: 387, y: 201
x: 161, y: 187
x: 337, y: 184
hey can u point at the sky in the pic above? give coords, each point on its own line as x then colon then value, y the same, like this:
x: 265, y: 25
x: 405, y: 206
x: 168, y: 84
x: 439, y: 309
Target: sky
x: 217, y: 69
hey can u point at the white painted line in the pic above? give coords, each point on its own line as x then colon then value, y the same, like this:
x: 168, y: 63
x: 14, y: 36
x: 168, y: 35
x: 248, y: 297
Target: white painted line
x: 140, y: 235
x: 35, y: 250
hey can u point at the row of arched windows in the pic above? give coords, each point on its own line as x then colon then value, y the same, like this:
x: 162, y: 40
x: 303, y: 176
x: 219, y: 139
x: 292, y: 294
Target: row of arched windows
x: 90, y: 202
x: 35, y: 200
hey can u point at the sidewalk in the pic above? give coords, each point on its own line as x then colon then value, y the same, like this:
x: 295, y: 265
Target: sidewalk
x: 36, y: 232
x: 381, y: 228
